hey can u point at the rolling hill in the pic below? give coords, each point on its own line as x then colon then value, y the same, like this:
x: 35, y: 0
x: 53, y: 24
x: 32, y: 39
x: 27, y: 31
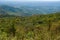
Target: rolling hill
x: 5, y: 9
x: 27, y: 10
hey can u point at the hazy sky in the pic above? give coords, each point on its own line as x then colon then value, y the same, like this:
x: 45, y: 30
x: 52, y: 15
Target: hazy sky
x: 29, y: 0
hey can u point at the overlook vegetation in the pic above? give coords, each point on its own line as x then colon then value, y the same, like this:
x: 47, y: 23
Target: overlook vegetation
x: 35, y: 27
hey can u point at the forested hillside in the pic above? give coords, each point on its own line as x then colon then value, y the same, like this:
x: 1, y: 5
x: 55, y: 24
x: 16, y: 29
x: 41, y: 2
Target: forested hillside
x: 28, y: 10
x: 35, y: 27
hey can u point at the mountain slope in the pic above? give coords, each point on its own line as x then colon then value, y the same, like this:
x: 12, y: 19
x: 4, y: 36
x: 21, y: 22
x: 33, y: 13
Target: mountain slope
x: 28, y: 10
x: 12, y: 11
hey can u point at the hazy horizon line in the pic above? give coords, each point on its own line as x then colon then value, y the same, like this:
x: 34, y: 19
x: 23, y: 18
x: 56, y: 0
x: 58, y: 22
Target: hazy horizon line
x: 29, y: 0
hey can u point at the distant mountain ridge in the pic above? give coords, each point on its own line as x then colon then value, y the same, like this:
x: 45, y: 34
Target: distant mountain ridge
x: 11, y: 10
x: 28, y: 10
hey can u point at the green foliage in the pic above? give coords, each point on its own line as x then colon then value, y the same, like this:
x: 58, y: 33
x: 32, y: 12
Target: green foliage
x: 35, y: 27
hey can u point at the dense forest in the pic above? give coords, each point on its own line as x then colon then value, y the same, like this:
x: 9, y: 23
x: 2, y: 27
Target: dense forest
x: 35, y: 27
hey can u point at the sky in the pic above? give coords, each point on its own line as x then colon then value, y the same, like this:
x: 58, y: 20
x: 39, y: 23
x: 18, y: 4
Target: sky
x: 29, y: 0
